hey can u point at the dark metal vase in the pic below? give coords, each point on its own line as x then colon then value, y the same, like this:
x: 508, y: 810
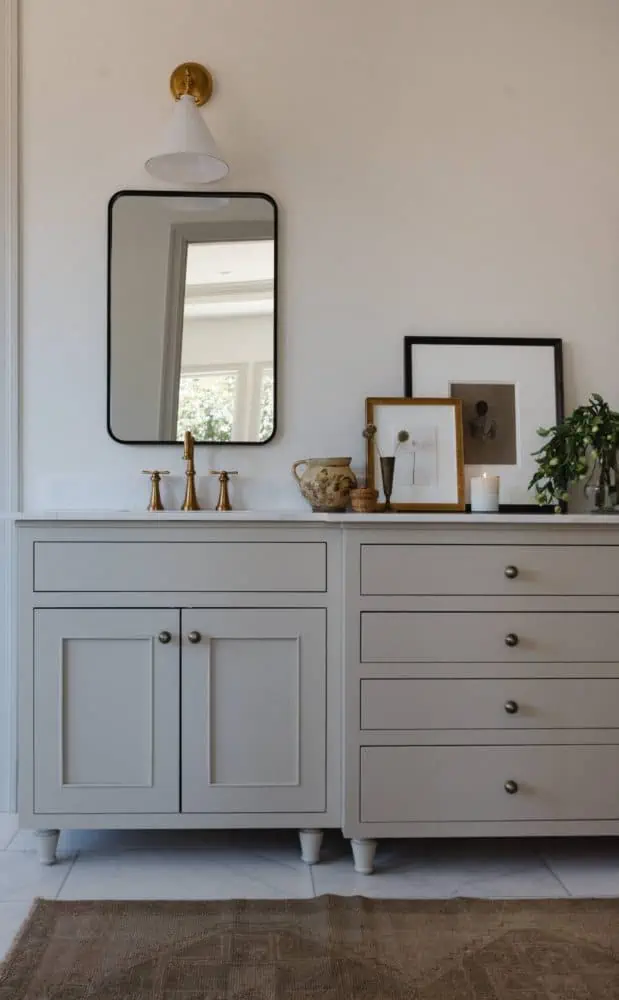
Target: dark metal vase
x: 387, y: 469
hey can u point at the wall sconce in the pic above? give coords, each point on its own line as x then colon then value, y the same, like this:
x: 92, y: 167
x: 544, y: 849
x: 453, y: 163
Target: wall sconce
x: 188, y: 153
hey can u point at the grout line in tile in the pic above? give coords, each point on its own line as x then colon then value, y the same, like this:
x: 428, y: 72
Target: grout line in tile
x: 311, y: 874
x: 554, y: 874
x: 277, y: 861
x: 12, y: 839
x: 71, y: 867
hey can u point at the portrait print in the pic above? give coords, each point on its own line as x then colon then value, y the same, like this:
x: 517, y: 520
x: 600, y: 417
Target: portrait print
x: 508, y: 387
x: 489, y: 422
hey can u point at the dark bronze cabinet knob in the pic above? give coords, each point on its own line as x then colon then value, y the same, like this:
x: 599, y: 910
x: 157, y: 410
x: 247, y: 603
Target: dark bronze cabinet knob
x: 511, y: 707
x: 511, y: 572
x: 511, y: 787
x: 164, y: 637
x: 194, y: 637
x: 511, y: 639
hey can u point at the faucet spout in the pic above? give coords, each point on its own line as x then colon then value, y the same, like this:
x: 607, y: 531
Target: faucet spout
x: 191, y: 500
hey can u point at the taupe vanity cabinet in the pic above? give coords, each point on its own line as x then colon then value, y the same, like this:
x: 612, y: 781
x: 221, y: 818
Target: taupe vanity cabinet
x: 481, y: 679
x: 215, y: 671
x: 180, y: 676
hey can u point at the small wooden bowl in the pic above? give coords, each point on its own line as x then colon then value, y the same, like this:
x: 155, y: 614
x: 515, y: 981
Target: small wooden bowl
x: 363, y: 500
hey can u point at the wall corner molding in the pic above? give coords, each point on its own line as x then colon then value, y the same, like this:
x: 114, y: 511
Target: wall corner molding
x: 10, y: 493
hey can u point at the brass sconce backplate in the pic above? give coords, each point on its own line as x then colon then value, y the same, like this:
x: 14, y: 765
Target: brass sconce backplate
x: 192, y: 78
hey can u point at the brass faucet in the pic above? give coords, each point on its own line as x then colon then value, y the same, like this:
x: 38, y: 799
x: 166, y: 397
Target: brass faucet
x: 223, y: 504
x: 191, y: 500
x: 155, y: 478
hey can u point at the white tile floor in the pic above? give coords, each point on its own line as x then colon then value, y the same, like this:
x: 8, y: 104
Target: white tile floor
x: 250, y: 864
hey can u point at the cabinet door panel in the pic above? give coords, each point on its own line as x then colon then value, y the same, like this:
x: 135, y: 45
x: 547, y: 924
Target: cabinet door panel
x: 254, y: 711
x: 106, y: 709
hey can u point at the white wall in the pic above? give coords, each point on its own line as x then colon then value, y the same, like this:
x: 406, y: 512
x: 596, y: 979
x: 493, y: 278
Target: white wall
x: 442, y: 167
x: 9, y: 486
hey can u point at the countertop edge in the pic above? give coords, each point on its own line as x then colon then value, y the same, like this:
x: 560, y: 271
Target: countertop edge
x: 308, y: 517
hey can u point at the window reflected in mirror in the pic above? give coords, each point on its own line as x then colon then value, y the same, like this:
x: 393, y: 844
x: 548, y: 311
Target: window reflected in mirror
x: 192, y: 318
x: 226, y: 373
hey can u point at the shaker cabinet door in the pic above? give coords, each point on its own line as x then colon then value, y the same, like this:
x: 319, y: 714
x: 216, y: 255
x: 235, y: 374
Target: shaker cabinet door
x: 254, y: 710
x: 106, y: 711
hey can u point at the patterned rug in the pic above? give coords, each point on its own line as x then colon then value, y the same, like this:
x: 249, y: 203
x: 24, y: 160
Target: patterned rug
x: 329, y: 948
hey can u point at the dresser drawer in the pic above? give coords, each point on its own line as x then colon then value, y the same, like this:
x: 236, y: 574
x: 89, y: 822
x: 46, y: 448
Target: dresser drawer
x: 447, y: 784
x: 489, y: 637
x: 262, y: 567
x: 575, y: 703
x: 498, y: 570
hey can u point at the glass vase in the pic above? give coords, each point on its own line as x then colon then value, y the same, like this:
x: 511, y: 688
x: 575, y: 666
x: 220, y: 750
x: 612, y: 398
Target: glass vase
x: 602, y: 494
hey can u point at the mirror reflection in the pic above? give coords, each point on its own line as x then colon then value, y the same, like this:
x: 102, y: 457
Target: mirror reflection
x: 192, y: 289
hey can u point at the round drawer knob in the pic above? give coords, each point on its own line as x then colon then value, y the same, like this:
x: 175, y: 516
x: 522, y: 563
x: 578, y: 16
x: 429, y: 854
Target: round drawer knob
x: 511, y: 572
x: 164, y: 637
x: 194, y: 637
x: 511, y: 787
x: 511, y: 639
x: 511, y: 707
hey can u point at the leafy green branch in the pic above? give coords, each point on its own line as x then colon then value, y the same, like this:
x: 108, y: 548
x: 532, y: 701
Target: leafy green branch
x: 584, y: 443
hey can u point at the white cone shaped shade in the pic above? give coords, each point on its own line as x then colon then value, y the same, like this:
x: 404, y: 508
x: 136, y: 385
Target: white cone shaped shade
x: 188, y: 151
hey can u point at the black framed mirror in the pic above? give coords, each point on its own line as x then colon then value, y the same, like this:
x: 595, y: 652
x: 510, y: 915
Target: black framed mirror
x: 192, y: 317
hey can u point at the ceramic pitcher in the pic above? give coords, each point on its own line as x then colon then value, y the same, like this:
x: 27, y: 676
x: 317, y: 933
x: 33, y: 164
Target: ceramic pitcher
x: 326, y: 482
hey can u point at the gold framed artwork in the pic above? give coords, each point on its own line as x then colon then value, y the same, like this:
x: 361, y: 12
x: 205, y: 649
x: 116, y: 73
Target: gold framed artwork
x: 415, y: 453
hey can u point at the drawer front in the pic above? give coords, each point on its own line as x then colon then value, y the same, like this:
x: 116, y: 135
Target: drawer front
x: 467, y: 784
x: 262, y: 567
x: 403, y: 703
x: 448, y: 569
x: 489, y: 637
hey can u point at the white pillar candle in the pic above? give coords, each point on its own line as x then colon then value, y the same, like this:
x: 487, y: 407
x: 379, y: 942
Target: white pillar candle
x: 485, y: 493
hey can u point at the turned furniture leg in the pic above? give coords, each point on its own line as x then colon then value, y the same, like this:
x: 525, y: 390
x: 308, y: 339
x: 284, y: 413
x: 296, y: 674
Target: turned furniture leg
x: 310, y: 846
x: 363, y: 852
x: 47, y: 843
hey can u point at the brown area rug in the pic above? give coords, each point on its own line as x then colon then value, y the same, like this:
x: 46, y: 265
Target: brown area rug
x: 329, y: 948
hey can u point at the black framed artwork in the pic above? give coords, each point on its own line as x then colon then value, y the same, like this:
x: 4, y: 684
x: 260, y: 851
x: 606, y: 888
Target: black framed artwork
x: 509, y: 386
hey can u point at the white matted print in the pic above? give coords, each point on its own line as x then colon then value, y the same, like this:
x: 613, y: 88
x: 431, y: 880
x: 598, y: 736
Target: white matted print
x: 509, y: 388
x: 425, y: 436
x: 417, y: 463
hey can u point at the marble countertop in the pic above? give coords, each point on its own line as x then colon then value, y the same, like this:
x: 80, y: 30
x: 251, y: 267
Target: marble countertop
x: 308, y: 517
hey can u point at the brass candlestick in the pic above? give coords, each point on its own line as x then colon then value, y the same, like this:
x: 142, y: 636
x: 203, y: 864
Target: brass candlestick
x: 223, y: 503
x: 155, y: 496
